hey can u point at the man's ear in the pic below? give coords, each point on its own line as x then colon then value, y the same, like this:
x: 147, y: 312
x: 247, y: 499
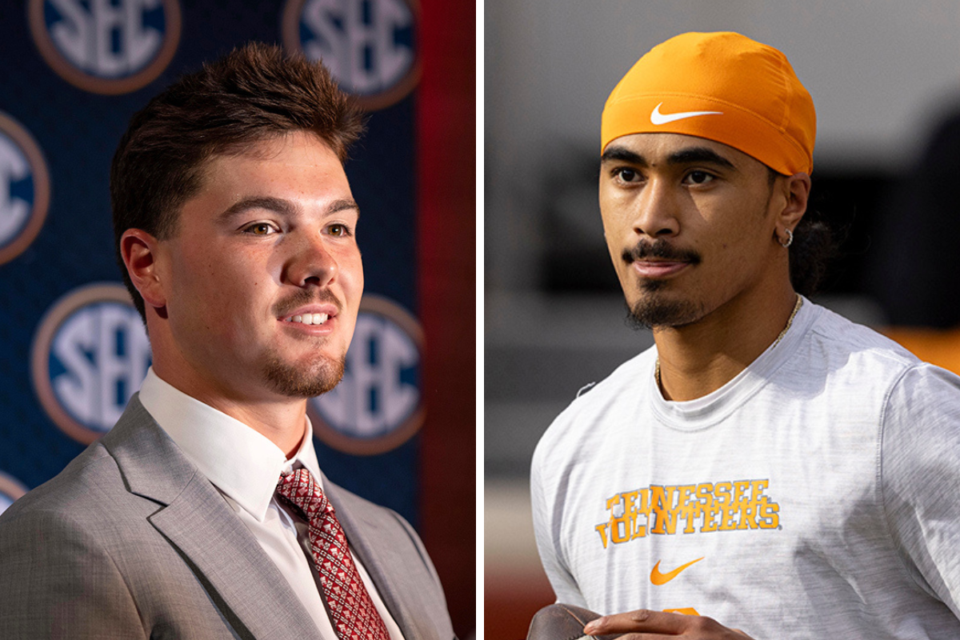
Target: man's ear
x: 140, y: 253
x: 797, y: 194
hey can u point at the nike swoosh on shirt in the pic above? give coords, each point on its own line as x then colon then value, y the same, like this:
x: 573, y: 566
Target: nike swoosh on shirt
x: 663, y: 118
x: 658, y: 578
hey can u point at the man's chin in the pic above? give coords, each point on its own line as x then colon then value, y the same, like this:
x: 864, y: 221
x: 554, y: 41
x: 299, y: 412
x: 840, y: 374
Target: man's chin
x: 651, y: 311
x: 299, y: 381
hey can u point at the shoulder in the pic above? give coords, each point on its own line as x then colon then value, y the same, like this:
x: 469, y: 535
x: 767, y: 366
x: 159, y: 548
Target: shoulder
x: 60, y: 537
x: 916, y: 400
x: 593, y: 407
x: 838, y: 337
x: 922, y: 415
x: 79, y: 492
x: 97, y: 495
x: 837, y: 358
x: 82, y: 520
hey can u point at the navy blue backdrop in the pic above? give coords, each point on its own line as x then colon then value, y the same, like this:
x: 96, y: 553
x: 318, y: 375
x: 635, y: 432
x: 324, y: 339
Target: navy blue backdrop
x: 70, y: 79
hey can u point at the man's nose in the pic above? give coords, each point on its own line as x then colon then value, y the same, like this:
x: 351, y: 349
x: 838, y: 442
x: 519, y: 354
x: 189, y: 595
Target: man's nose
x: 311, y: 261
x: 657, y: 210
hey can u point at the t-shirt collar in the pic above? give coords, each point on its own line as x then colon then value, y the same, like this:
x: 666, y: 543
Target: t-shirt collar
x: 704, y: 412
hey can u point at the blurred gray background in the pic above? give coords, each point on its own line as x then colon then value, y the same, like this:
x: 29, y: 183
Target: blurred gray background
x: 883, y: 74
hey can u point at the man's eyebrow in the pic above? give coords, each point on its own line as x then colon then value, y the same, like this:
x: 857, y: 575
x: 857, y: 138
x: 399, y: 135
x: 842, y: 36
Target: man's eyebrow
x: 620, y: 154
x: 243, y: 205
x: 690, y: 155
x: 342, y: 205
x: 281, y: 206
x: 697, y: 155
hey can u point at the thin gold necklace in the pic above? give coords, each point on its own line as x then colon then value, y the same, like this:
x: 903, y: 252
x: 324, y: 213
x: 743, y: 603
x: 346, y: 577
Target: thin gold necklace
x: 796, y: 307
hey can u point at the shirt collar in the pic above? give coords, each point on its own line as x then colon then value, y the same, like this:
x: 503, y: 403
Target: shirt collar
x: 243, y: 464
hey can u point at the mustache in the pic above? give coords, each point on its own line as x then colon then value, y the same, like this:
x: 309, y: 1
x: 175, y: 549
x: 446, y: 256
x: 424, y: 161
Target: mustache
x: 305, y: 296
x: 660, y: 249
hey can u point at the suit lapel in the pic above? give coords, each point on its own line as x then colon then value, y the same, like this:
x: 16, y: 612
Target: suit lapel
x: 201, y: 525
x: 361, y: 533
x: 245, y: 584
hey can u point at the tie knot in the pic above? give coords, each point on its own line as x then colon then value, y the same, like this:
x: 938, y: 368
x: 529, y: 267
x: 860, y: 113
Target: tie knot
x: 301, y: 489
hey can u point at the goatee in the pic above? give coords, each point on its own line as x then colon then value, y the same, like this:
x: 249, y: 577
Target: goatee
x: 296, y: 382
x: 650, y: 312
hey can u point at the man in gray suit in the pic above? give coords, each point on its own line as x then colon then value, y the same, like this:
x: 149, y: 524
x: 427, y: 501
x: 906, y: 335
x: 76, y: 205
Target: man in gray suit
x: 203, y: 513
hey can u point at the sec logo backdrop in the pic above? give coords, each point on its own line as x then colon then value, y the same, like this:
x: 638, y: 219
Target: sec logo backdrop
x: 377, y: 406
x: 90, y: 354
x: 368, y: 45
x: 107, y: 47
x: 24, y: 189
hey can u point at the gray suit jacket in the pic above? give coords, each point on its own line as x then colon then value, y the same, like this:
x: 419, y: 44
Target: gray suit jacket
x: 131, y: 541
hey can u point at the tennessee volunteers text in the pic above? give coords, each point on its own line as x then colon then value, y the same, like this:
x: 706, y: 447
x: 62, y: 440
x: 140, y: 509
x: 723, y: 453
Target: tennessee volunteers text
x: 705, y: 507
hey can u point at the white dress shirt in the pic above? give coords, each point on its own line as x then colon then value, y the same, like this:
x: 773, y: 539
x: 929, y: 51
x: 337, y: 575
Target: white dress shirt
x: 245, y: 466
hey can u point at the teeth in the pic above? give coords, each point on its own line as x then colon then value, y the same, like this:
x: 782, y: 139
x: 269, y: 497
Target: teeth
x: 310, y: 318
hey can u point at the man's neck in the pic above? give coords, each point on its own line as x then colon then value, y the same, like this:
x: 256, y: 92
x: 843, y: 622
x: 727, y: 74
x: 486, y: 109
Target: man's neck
x: 698, y: 359
x: 279, y: 419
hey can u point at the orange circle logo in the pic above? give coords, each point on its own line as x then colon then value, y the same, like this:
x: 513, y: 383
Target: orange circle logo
x: 378, y: 404
x: 369, y: 46
x: 89, y: 356
x: 106, y: 47
x: 24, y: 189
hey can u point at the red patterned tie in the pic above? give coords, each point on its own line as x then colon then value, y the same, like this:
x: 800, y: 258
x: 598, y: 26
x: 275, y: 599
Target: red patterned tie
x: 351, y: 609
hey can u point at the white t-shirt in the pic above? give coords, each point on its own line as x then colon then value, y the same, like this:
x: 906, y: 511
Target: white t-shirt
x: 815, y: 495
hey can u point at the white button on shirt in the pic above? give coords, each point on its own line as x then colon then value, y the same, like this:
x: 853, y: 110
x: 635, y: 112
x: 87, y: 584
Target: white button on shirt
x: 245, y: 466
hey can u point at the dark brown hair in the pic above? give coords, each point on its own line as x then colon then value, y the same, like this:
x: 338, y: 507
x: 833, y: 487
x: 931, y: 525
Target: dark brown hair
x: 251, y: 94
x: 816, y: 243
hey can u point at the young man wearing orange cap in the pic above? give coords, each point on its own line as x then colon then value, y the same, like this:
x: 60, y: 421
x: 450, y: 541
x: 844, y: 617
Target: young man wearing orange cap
x: 768, y: 464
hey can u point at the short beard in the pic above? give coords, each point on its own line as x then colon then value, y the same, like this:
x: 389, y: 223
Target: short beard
x: 294, y: 382
x: 651, y: 311
x: 314, y: 380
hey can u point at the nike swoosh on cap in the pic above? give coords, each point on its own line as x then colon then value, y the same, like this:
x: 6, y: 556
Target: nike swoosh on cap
x: 658, y: 578
x: 663, y: 118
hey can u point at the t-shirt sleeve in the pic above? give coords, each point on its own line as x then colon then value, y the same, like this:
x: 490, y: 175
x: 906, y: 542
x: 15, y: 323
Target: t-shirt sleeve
x: 547, y: 531
x: 920, y: 478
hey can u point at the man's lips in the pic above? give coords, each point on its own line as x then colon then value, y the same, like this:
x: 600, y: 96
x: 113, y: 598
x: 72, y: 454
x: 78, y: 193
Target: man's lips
x: 313, y: 311
x: 317, y: 318
x: 658, y: 268
x: 659, y: 259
